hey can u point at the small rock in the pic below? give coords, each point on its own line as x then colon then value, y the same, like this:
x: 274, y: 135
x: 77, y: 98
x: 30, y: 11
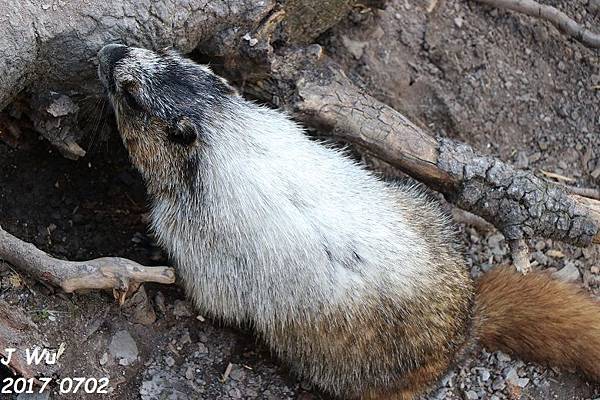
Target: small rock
x: 494, y: 242
x: 511, y: 376
x: 181, y: 309
x: 484, y: 374
x: 202, y: 349
x: 563, y: 165
x: 189, y: 373
x: 522, y: 161
x: 595, y: 270
x: 568, y: 273
x: 237, y: 373
x: 503, y: 357
x: 458, y: 21
x: 170, y: 361
x: 471, y: 395
x: 62, y: 106
x: 555, y: 253
x: 499, y: 384
x: 251, y: 41
x: 355, y: 47
x: 522, y: 382
x: 104, y: 359
x: 123, y: 348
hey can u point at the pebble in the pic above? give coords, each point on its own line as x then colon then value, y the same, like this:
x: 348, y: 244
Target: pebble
x: 189, y: 373
x: 123, y: 348
x: 170, y: 361
x: 522, y: 161
x: 499, y: 384
x: 484, y: 374
x: 503, y: 357
x: 237, y: 373
x: 568, y: 273
x: 522, y: 382
x: 511, y: 375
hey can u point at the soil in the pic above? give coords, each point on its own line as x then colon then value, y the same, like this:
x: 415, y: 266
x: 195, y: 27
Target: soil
x: 509, y: 85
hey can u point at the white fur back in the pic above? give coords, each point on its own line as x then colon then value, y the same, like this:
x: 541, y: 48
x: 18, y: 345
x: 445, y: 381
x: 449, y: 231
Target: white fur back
x: 283, y: 227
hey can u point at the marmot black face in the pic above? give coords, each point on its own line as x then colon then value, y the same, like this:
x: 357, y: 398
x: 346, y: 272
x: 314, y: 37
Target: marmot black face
x: 358, y: 284
x: 161, y: 90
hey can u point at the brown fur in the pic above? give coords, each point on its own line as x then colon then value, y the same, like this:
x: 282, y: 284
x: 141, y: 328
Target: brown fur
x: 416, y: 381
x: 382, y: 347
x: 539, y: 319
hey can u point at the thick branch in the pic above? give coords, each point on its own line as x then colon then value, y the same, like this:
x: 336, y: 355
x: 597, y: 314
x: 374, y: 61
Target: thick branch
x: 114, y: 273
x: 558, y: 18
x: 51, y: 48
x: 518, y: 203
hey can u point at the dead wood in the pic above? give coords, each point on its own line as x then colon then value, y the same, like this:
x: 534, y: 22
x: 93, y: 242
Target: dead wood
x: 121, y: 275
x: 551, y: 14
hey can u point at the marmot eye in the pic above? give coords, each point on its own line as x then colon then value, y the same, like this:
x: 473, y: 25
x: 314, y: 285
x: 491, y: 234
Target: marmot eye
x: 129, y: 91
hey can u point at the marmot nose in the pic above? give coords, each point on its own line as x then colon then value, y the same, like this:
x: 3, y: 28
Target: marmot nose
x: 111, y: 53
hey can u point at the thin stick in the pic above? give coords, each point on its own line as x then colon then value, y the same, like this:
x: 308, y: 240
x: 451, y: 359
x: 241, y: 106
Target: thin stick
x: 548, y: 13
x: 584, y: 192
x: 119, y: 274
x: 461, y: 216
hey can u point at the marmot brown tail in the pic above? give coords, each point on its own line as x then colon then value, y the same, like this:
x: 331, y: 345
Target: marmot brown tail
x: 540, y: 319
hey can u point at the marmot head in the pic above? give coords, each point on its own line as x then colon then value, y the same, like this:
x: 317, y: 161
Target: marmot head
x: 163, y: 103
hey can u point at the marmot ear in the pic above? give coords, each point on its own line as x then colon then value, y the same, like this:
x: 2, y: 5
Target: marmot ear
x: 183, y: 131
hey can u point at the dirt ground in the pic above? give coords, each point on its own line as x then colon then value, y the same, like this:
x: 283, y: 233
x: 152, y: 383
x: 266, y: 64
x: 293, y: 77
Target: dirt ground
x: 508, y: 85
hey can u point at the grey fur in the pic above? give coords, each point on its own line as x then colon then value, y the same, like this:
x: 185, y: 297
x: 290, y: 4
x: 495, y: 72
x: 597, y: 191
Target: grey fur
x: 355, y: 282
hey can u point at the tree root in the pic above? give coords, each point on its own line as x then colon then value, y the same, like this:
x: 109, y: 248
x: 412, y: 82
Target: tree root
x: 548, y: 13
x: 121, y: 275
